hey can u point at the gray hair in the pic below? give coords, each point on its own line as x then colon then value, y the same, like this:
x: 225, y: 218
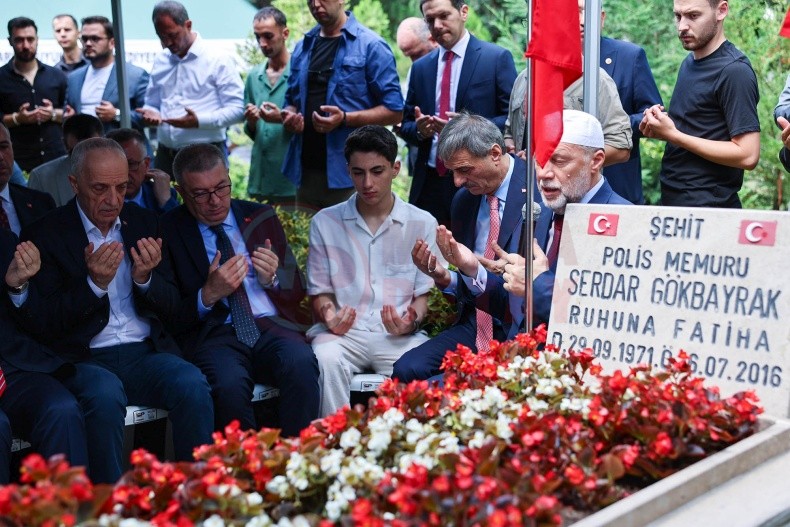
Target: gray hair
x: 174, y: 10
x: 470, y: 132
x: 196, y: 158
x: 79, y: 155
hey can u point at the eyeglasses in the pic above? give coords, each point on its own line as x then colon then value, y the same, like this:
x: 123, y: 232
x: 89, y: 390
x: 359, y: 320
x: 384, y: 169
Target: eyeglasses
x: 203, y: 197
x: 91, y: 38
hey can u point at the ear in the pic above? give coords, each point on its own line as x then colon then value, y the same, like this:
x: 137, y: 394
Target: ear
x: 181, y: 192
x: 147, y: 162
x: 722, y: 10
x: 112, y: 43
x: 188, y: 25
x: 396, y: 168
x: 495, y: 152
x: 464, y: 12
x: 598, y: 158
x: 286, y: 32
x: 73, y: 181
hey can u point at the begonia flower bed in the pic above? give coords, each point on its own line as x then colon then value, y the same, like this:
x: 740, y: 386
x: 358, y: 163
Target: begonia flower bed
x: 516, y: 436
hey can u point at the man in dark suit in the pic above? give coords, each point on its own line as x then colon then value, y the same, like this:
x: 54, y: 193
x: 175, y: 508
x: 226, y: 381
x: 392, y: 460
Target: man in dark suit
x: 240, y: 289
x: 572, y: 175
x: 148, y: 187
x: 627, y: 64
x: 57, y: 405
x: 471, y: 75
x: 99, y: 95
x: 19, y: 205
x: 104, y: 292
x: 486, y: 210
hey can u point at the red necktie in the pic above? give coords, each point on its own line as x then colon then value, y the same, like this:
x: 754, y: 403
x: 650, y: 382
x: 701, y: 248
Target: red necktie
x: 2, y: 382
x: 554, y: 250
x: 444, y: 100
x: 4, y: 217
x: 485, y: 324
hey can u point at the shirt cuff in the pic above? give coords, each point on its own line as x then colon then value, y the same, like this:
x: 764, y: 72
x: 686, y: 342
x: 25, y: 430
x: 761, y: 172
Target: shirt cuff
x: 202, y: 309
x: 476, y: 285
x: 144, y: 287
x: 453, y: 287
x: 19, y: 299
x: 98, y: 291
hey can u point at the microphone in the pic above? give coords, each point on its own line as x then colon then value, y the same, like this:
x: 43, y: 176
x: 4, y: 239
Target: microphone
x: 535, y: 213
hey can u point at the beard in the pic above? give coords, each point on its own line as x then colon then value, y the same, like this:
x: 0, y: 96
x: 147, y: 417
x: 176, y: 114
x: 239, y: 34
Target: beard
x: 572, y: 192
x: 706, y: 34
x: 25, y: 56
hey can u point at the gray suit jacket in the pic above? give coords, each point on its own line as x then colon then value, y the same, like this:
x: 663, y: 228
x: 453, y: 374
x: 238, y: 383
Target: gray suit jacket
x: 138, y: 82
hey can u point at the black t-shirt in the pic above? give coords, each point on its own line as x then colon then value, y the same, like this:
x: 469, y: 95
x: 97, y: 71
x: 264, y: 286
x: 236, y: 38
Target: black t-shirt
x: 318, y: 75
x: 715, y: 98
x: 34, y: 144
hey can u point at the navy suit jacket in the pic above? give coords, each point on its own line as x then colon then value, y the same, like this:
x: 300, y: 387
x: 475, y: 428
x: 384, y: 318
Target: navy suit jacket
x: 463, y: 220
x: 29, y: 204
x: 190, y: 262
x: 18, y: 351
x: 137, y: 79
x: 487, y: 77
x: 543, y: 285
x: 627, y: 64
x: 62, y: 310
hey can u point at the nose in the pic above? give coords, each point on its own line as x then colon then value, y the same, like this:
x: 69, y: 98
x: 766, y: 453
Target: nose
x: 458, y: 180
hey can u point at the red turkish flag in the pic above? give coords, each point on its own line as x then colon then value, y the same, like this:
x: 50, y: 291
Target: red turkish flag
x: 785, y: 31
x: 556, y: 53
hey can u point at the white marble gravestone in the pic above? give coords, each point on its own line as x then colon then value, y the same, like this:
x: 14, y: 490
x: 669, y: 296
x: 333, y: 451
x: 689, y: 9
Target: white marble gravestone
x: 638, y: 284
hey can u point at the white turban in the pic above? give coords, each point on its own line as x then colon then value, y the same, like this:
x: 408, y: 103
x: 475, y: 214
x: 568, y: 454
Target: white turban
x: 580, y: 128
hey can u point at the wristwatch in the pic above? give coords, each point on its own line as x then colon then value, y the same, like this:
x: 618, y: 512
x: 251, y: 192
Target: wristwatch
x: 17, y: 290
x: 117, y: 114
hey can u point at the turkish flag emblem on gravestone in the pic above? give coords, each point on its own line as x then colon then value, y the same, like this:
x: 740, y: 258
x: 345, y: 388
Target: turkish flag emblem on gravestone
x: 603, y: 224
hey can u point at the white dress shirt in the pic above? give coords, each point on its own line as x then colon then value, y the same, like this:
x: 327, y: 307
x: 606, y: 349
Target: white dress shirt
x: 125, y: 326
x: 205, y: 81
x: 459, y: 51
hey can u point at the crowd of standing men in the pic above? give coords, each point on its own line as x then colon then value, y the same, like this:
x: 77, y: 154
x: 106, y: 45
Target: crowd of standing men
x: 117, y: 294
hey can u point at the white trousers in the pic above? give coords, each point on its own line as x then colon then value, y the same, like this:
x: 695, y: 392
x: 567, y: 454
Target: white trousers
x: 358, y: 351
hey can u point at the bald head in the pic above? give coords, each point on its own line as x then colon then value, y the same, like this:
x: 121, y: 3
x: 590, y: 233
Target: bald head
x: 414, y: 39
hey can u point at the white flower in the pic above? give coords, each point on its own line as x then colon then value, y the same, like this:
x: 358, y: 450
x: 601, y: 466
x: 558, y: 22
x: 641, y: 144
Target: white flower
x: 131, y: 522
x: 278, y: 485
x: 331, y: 462
x: 254, y: 499
x: 379, y: 441
x: 494, y: 397
x: 448, y: 445
x: 214, y: 521
x: 350, y: 438
x: 468, y: 416
x: 478, y: 440
x: 259, y: 521
x: 503, y: 429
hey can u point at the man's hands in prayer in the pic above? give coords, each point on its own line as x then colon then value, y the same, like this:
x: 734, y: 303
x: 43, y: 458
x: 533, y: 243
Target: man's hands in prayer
x: 656, y: 124
x: 512, y: 267
x: 104, y: 262
x: 161, y: 181
x: 223, y: 279
x: 292, y: 120
x: 396, y: 324
x: 188, y: 120
x: 252, y: 114
x: 455, y: 253
x: 265, y: 262
x: 324, y: 124
x: 150, y: 117
x: 427, y: 263
x: 24, y: 266
x: 270, y: 112
x: 145, y: 258
x: 105, y: 111
x: 338, y: 322
x: 427, y: 125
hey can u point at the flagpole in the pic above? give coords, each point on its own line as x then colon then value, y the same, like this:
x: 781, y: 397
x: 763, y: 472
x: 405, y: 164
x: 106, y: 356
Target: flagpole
x: 529, y: 195
x: 592, y: 55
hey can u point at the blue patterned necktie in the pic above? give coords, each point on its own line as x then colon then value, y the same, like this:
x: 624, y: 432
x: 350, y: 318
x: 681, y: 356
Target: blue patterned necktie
x: 240, y: 311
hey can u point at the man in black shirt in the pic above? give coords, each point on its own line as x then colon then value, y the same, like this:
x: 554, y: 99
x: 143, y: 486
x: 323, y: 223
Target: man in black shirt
x: 32, y: 98
x: 712, y: 130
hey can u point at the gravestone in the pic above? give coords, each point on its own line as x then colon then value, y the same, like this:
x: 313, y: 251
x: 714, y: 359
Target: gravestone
x: 639, y: 284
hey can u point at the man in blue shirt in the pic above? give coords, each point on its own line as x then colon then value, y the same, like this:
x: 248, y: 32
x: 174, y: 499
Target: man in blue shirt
x: 342, y: 76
